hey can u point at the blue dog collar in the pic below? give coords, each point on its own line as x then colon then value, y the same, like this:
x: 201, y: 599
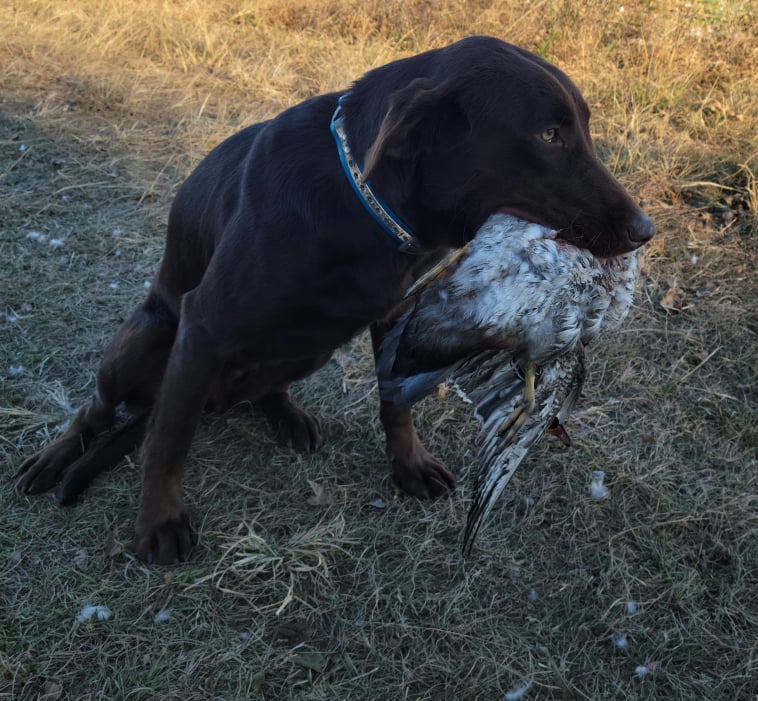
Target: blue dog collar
x: 382, y: 214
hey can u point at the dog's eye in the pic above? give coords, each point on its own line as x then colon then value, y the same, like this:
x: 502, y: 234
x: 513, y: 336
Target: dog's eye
x: 549, y: 136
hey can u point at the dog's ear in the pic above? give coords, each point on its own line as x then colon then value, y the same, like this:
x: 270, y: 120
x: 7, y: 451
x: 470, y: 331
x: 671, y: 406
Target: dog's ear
x: 420, y: 115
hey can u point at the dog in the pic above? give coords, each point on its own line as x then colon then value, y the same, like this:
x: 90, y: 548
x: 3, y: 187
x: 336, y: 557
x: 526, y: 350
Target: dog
x: 297, y: 233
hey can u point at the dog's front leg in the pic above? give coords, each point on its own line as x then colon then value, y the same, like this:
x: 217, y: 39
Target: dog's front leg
x: 414, y: 469
x: 164, y: 532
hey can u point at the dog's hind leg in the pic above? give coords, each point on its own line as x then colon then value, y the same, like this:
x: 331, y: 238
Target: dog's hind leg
x: 293, y: 426
x: 130, y: 373
x: 265, y: 385
x: 104, y: 453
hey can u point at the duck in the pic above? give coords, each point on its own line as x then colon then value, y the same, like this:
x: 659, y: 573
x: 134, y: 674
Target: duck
x: 506, y: 319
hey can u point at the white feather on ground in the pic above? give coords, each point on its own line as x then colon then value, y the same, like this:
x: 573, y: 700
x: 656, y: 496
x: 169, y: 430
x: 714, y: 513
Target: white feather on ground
x: 515, y: 295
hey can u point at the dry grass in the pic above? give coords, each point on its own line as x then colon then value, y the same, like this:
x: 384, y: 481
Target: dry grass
x: 357, y: 594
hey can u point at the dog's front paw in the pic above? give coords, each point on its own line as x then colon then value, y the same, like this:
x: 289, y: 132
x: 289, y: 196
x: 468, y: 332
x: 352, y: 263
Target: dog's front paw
x: 424, y: 477
x: 163, y: 539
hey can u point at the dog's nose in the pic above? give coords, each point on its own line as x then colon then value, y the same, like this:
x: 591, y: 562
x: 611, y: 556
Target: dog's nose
x: 641, y: 228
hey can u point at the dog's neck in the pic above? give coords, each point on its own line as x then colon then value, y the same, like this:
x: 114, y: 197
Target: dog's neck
x: 382, y: 214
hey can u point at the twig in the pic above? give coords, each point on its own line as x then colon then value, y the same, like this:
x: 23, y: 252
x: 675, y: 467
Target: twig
x: 700, y: 364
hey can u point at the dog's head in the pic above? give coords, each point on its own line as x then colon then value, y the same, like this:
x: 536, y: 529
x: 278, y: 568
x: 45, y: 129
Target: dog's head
x: 491, y: 127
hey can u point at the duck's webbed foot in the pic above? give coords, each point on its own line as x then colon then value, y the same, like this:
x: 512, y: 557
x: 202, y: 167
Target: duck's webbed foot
x: 557, y: 429
x: 524, y: 410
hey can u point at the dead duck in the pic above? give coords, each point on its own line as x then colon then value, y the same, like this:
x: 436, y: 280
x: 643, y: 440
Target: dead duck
x: 506, y: 319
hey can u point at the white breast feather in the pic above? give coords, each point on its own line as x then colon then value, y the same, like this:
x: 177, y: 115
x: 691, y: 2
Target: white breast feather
x: 518, y: 283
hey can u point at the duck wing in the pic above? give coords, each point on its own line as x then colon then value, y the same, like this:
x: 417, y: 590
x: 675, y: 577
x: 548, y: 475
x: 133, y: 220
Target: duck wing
x: 429, y: 340
x: 494, y: 382
x: 407, y: 372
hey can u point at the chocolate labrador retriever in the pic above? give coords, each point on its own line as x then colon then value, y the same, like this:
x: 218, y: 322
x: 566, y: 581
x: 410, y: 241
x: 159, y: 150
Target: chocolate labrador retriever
x: 297, y: 233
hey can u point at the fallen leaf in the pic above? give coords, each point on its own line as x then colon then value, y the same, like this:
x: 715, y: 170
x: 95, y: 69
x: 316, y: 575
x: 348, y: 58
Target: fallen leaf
x: 113, y: 547
x: 51, y: 691
x: 311, y: 661
x: 291, y: 632
x: 674, y: 300
x: 80, y: 560
x: 321, y: 495
x: 15, y: 557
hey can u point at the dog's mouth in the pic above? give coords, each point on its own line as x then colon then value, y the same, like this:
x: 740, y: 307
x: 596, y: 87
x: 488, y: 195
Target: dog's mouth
x: 524, y: 214
x: 601, y: 248
x: 612, y: 262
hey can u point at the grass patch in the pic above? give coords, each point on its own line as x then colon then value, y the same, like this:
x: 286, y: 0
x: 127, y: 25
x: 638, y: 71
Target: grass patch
x: 312, y: 579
